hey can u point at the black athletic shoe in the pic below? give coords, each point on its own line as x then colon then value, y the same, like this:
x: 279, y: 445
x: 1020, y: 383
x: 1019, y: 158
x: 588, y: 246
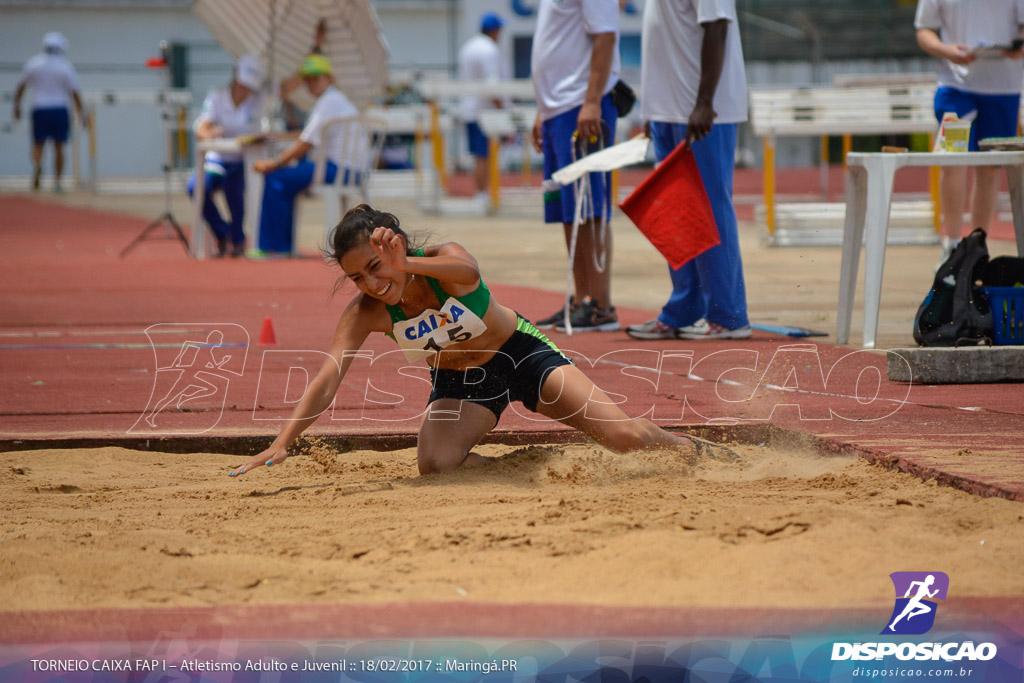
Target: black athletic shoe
x: 555, y: 318
x: 589, y: 317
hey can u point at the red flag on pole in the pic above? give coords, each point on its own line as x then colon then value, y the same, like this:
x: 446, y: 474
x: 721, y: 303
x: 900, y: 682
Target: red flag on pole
x: 672, y: 209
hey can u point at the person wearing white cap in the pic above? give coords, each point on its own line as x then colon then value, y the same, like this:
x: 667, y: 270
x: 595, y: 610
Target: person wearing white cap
x: 231, y: 111
x: 54, y: 83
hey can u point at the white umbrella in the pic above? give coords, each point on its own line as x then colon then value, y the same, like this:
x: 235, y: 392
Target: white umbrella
x: 280, y: 32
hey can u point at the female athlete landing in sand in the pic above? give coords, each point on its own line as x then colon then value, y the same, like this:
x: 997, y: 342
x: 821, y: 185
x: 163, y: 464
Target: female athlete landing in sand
x: 433, y: 302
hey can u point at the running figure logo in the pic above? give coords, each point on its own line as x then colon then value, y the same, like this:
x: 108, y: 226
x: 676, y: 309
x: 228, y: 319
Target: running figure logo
x: 914, y: 613
x: 198, y: 373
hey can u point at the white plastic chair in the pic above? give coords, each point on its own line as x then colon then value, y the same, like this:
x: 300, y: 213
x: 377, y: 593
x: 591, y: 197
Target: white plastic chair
x: 360, y: 139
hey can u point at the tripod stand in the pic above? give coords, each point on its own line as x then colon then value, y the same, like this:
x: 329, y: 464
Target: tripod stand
x: 172, y: 230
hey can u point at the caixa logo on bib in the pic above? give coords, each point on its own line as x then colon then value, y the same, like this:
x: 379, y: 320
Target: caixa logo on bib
x: 434, y: 330
x: 425, y: 325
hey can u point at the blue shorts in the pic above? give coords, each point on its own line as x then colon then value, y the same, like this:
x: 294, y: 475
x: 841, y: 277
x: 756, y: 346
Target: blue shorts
x: 50, y: 123
x: 557, y: 144
x: 478, y: 144
x: 994, y: 116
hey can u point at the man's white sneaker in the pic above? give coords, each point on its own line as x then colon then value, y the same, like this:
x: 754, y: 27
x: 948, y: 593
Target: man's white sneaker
x: 702, y: 329
x: 652, y: 329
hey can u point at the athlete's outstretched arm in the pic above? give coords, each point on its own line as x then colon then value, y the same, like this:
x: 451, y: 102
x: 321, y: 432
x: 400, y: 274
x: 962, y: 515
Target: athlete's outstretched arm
x: 352, y: 330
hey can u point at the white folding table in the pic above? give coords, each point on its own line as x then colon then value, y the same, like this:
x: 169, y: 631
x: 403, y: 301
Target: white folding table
x: 868, y: 198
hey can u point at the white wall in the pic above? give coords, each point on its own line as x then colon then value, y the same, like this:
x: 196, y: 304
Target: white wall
x: 417, y: 34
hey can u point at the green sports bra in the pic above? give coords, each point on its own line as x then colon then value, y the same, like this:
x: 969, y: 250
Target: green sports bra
x: 459, y: 319
x: 478, y: 301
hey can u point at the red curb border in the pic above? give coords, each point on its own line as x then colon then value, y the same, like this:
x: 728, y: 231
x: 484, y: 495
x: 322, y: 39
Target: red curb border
x: 467, y: 619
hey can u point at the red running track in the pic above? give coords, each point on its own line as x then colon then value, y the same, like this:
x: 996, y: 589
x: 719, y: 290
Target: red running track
x: 77, y: 362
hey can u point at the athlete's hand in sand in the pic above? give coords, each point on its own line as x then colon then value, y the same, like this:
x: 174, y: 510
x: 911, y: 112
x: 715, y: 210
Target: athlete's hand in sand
x: 390, y: 248
x: 269, y: 457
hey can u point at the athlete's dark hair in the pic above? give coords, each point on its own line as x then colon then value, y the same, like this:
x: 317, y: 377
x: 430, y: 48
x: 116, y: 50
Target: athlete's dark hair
x: 356, y: 227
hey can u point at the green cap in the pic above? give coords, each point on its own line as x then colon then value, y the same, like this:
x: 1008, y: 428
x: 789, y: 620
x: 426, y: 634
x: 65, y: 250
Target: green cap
x: 316, y: 65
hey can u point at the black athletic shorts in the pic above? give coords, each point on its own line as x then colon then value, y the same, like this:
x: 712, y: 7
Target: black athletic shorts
x: 515, y: 373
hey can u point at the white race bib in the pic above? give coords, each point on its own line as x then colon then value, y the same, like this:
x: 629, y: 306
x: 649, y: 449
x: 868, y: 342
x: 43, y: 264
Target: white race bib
x: 433, y: 330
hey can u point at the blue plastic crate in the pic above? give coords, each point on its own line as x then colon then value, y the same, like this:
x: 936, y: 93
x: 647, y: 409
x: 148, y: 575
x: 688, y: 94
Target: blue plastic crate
x: 1007, y: 314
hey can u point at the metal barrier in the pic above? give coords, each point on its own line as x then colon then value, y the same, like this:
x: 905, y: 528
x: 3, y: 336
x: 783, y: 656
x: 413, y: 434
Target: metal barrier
x: 424, y: 123
x: 516, y: 119
x: 892, y: 109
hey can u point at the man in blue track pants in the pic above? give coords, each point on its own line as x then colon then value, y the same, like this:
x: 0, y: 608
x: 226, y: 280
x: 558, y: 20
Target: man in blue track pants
x: 695, y: 93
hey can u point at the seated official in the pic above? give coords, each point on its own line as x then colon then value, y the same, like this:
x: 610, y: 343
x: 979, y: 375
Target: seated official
x: 290, y: 173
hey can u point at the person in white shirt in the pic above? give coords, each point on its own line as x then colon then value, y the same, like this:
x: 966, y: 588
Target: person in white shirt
x: 480, y: 60
x: 285, y: 179
x: 229, y: 112
x: 54, y: 83
x: 984, y: 91
x: 575, y: 65
x: 695, y: 94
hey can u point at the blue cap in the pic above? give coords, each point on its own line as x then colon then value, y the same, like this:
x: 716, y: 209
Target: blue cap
x: 491, y: 22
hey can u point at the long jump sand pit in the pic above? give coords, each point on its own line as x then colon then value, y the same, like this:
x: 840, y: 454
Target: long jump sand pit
x: 567, y: 524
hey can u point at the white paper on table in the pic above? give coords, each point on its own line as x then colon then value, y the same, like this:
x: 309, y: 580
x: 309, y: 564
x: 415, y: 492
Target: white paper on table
x: 623, y: 154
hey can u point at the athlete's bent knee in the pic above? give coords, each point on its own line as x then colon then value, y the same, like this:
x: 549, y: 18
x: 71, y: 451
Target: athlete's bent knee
x: 434, y: 462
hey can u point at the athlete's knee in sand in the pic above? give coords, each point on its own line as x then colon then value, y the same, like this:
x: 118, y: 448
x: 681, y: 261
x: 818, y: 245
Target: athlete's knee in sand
x: 448, y: 461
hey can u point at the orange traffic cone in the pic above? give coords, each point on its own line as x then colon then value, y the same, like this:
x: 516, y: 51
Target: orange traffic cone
x: 267, y: 337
